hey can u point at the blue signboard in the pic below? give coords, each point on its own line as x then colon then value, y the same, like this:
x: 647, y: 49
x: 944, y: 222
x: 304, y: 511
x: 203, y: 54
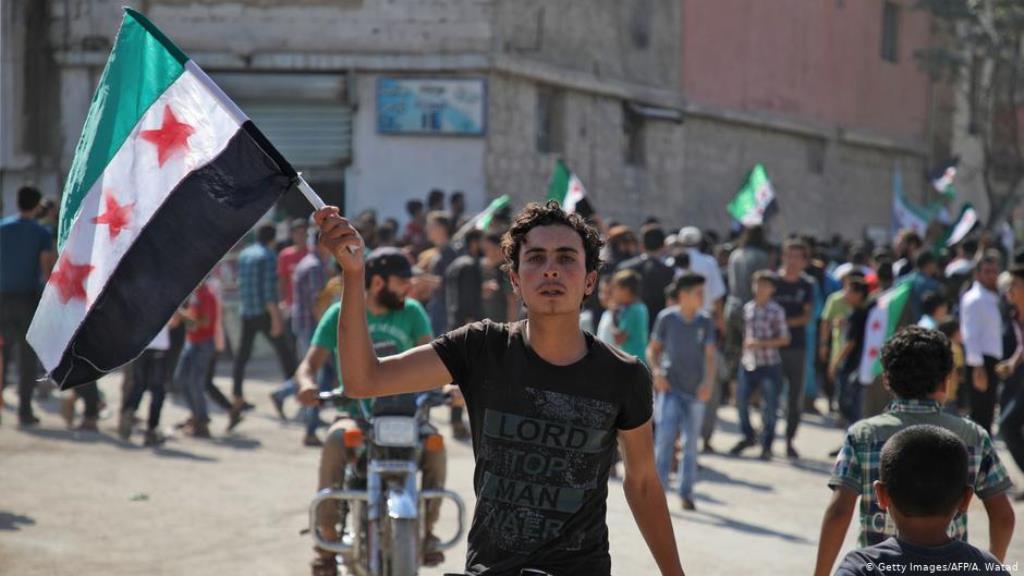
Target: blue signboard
x: 432, y: 106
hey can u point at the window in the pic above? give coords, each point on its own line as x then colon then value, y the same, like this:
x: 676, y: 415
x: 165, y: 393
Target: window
x: 633, y: 127
x: 890, y: 32
x: 549, y: 120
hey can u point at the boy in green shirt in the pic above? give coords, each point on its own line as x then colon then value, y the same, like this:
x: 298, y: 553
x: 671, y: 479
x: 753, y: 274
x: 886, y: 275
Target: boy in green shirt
x: 626, y: 323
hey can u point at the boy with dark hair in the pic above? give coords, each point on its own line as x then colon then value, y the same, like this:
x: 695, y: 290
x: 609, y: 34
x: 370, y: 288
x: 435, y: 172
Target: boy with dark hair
x: 626, y: 323
x: 26, y: 258
x: 922, y: 484
x: 765, y: 332
x: 682, y: 359
x: 915, y: 365
x: 933, y: 310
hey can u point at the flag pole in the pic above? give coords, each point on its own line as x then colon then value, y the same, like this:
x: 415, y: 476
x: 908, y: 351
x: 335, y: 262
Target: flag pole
x: 310, y: 194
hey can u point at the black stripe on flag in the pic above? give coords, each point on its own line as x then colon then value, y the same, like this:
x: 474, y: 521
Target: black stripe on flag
x: 204, y: 216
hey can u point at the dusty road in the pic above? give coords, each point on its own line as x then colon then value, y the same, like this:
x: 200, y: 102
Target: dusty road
x: 88, y: 504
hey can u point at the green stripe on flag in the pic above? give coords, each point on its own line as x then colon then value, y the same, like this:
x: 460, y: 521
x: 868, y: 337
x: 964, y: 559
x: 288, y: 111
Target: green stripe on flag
x: 142, y: 65
x: 484, y: 218
x: 558, y: 187
x: 895, y: 303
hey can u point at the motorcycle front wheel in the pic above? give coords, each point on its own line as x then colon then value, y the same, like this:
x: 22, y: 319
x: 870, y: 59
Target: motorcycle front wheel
x: 404, y: 559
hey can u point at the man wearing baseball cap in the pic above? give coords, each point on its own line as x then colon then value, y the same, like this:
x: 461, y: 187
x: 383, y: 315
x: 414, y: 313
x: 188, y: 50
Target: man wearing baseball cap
x: 396, y: 324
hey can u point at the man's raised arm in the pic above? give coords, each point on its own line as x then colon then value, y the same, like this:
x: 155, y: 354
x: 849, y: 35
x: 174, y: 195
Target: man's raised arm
x: 364, y: 375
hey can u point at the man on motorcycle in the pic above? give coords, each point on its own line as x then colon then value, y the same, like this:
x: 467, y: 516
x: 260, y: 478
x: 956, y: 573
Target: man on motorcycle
x: 546, y: 404
x: 396, y: 324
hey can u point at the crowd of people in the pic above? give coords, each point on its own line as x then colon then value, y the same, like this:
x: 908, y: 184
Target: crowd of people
x: 717, y: 320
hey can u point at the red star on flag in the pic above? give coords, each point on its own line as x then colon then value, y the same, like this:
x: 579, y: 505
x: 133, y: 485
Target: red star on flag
x: 69, y: 279
x: 171, y: 137
x: 116, y: 216
x: 873, y: 353
x: 876, y: 326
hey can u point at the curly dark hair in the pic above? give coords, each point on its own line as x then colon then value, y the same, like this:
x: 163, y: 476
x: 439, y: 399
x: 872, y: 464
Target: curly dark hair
x: 549, y: 214
x: 916, y: 362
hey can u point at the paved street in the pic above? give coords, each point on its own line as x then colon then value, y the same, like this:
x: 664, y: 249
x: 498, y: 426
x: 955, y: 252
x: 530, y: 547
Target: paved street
x: 89, y: 504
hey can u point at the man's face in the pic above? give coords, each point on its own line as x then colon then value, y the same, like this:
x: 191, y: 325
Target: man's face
x: 988, y: 275
x: 299, y: 236
x: 764, y: 290
x: 437, y: 233
x: 391, y: 293
x: 552, y: 277
x: 1016, y: 292
x: 692, y: 299
x: 794, y: 260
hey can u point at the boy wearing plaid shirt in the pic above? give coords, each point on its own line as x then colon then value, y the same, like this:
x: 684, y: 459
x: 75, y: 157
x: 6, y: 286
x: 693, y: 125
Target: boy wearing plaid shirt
x: 764, y: 333
x: 915, y: 364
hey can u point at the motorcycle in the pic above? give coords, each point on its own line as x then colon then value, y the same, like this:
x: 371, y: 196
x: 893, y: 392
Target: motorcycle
x: 381, y: 500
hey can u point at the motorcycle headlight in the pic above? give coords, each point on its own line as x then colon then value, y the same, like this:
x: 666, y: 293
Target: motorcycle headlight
x: 394, y: 431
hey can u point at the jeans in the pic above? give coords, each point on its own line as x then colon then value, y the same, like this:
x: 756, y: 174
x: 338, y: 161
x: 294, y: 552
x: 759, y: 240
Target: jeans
x: 676, y: 414
x: 16, y: 311
x: 190, y: 377
x: 252, y: 325
x: 983, y: 404
x: 769, y: 378
x: 148, y: 373
x: 794, y: 364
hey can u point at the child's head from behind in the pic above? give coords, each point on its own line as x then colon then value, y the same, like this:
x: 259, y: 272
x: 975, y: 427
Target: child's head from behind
x: 625, y: 287
x: 688, y: 292
x: 923, y: 475
x: 916, y: 362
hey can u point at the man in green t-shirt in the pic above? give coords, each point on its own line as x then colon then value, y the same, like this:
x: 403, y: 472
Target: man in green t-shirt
x: 396, y: 324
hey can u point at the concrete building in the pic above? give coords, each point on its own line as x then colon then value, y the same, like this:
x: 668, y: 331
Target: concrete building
x: 827, y: 95
x: 348, y: 90
x: 660, y: 106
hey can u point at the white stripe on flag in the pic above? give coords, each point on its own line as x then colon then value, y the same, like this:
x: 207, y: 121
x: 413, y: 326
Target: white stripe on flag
x: 134, y: 175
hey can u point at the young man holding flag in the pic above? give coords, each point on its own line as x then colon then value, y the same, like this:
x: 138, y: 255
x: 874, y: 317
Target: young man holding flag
x: 546, y: 402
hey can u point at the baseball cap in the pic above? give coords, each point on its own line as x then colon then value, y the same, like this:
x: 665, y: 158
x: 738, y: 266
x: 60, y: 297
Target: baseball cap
x: 388, y: 262
x: 689, y: 236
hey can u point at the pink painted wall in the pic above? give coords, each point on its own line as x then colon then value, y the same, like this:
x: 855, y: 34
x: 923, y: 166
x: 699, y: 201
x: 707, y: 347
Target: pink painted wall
x: 815, y: 60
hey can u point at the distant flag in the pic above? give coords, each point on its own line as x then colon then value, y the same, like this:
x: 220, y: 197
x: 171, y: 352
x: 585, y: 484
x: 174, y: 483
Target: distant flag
x: 754, y: 199
x: 883, y: 319
x: 905, y: 214
x: 482, y: 221
x: 565, y: 187
x: 965, y: 223
x: 168, y: 175
x: 943, y: 178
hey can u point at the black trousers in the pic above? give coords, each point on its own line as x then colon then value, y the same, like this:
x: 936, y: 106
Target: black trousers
x: 212, y: 391
x: 251, y: 326
x: 983, y: 404
x: 794, y: 362
x: 90, y: 394
x: 16, y: 311
x: 1011, y: 419
x: 149, y: 373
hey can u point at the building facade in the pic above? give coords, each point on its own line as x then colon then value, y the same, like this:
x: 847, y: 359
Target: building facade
x: 660, y: 106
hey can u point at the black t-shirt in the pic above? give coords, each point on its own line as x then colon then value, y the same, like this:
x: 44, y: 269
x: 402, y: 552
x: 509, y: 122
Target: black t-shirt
x: 655, y: 275
x: 463, y: 285
x: 543, y: 439
x: 895, y: 556
x: 793, y: 297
